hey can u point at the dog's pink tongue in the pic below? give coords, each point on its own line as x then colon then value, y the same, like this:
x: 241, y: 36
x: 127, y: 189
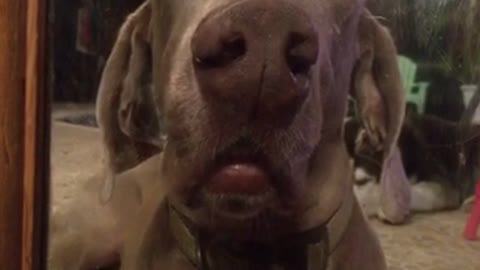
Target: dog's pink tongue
x: 240, y: 178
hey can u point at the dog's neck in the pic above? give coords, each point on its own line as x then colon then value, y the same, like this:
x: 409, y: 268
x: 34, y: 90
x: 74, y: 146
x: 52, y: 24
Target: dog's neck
x: 303, y: 251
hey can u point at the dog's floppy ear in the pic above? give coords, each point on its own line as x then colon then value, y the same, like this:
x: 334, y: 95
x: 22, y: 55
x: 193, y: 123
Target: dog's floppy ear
x: 377, y: 85
x: 126, y: 112
x: 395, y: 193
x: 378, y: 90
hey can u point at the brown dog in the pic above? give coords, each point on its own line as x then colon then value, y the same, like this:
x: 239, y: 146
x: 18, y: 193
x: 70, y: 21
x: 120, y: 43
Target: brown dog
x: 255, y: 174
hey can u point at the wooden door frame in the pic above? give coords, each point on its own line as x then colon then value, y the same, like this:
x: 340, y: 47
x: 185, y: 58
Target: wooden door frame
x: 24, y: 135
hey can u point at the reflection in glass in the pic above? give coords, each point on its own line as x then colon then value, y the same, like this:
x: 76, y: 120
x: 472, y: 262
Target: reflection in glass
x: 438, y: 57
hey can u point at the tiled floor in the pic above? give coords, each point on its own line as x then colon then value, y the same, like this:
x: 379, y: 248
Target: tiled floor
x: 429, y: 242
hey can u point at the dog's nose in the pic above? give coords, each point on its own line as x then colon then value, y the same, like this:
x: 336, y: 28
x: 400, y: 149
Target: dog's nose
x: 255, y: 57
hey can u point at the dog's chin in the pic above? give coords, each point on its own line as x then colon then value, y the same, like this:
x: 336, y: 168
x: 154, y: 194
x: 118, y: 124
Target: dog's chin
x: 256, y: 218
x: 243, y: 200
x: 242, y: 192
x: 239, y: 191
x: 239, y: 207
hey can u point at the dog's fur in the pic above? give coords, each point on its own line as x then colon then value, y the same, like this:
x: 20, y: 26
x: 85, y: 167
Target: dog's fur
x: 429, y: 147
x: 152, y: 61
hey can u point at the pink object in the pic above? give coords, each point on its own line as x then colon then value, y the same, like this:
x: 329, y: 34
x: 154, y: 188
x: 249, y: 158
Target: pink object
x: 473, y: 221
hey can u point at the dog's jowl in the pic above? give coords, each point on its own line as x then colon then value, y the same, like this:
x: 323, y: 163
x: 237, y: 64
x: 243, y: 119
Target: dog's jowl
x: 254, y: 172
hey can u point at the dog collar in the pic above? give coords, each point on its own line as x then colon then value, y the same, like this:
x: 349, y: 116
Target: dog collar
x: 307, y: 250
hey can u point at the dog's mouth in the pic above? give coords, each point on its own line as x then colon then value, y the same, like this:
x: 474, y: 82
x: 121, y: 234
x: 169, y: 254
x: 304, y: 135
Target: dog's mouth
x: 239, y: 191
x: 240, y: 184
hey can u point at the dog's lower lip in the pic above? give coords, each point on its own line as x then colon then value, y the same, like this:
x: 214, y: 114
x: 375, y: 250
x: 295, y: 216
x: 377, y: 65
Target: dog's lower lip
x: 245, y: 178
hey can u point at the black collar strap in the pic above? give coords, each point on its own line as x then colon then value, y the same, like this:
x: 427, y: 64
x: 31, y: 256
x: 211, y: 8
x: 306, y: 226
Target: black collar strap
x: 306, y: 251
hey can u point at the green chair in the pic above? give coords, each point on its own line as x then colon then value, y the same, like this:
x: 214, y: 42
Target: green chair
x: 416, y: 92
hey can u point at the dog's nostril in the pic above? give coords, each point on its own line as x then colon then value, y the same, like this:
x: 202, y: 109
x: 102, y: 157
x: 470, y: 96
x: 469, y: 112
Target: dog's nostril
x: 301, y: 53
x: 225, y: 52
